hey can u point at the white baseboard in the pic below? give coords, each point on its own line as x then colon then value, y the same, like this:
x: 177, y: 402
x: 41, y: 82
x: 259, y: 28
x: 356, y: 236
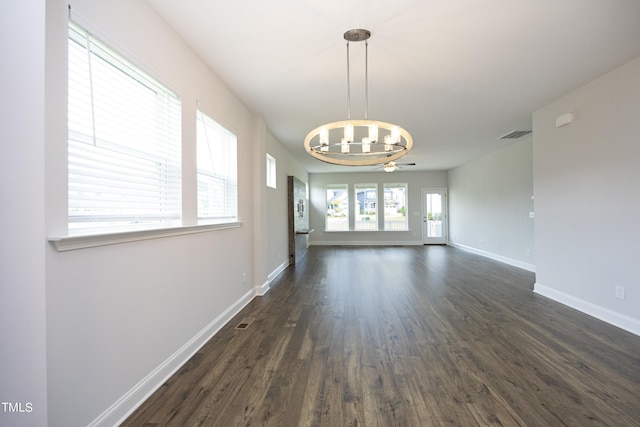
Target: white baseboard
x: 261, y: 290
x: 123, y: 407
x: 264, y: 288
x: 277, y: 271
x: 622, y: 321
x: 366, y: 243
x: 503, y: 259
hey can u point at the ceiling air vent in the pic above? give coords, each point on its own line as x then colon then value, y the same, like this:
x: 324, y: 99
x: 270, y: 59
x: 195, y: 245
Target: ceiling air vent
x: 515, y: 134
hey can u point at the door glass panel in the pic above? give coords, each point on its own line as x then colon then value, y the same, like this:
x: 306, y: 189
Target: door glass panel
x: 434, y: 215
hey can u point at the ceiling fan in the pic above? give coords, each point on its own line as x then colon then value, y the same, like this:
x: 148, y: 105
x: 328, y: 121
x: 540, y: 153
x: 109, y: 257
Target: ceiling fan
x: 392, y: 166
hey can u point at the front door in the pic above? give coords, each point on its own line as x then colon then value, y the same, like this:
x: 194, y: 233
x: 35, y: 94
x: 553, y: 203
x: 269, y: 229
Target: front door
x: 434, y: 216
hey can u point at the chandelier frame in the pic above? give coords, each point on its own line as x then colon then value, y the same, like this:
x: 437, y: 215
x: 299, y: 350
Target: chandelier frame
x: 380, y: 152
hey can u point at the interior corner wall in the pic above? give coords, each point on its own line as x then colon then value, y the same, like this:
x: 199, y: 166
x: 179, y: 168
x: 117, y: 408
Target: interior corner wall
x: 587, y: 198
x: 277, y: 204
x: 490, y: 199
x: 416, y: 182
x: 260, y: 212
x: 23, y: 371
x: 121, y: 318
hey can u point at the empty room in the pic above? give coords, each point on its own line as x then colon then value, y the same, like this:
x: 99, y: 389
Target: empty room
x: 365, y: 213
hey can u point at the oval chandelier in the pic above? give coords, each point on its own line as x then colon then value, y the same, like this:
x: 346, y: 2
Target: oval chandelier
x: 358, y: 142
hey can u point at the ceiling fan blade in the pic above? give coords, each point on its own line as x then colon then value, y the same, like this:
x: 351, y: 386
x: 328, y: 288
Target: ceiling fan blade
x: 395, y: 166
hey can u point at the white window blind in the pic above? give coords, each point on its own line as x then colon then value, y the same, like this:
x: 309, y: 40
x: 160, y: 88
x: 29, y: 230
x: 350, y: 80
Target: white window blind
x: 124, y: 143
x: 217, y: 172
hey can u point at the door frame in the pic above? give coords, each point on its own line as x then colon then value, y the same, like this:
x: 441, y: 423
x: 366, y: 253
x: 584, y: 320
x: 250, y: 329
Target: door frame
x: 445, y: 217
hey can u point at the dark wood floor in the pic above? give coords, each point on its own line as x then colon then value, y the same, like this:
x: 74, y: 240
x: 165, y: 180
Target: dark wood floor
x: 405, y: 336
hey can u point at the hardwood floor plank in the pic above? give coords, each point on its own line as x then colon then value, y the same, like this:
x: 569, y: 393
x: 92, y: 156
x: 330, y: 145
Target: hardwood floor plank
x: 405, y: 336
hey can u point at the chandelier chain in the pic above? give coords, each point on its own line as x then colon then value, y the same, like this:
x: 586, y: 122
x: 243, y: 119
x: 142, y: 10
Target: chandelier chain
x: 366, y: 79
x: 348, y: 85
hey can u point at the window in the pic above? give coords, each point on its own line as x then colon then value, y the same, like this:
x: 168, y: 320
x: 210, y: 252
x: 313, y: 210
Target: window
x: 123, y: 143
x: 271, y: 171
x: 217, y: 172
x: 337, y: 218
x: 366, y: 207
x: 395, y: 207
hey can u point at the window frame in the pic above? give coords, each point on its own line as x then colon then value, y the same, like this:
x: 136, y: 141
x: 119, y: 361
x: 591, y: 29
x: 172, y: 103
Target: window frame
x: 347, y: 215
x: 66, y: 241
x: 385, y: 186
x: 216, y: 133
x: 271, y: 171
x: 362, y: 224
x: 124, y: 142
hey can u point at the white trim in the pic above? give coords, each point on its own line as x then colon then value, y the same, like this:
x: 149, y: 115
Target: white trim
x: 622, y: 321
x: 277, y: 271
x: 495, y: 257
x: 117, y: 413
x: 365, y: 243
x: 261, y: 290
x: 70, y: 243
x: 445, y: 211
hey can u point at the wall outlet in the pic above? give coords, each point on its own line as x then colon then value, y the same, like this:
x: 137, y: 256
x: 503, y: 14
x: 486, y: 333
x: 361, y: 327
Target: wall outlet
x: 619, y: 292
x: 528, y: 252
x: 244, y: 278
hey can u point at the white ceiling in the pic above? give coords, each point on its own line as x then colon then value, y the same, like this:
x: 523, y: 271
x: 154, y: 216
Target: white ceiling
x: 457, y: 74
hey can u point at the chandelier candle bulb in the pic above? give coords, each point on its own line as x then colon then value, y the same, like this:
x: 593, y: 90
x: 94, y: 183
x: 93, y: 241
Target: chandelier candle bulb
x: 366, y: 145
x: 324, y: 136
x: 388, y: 143
x: 373, y: 133
x: 345, y: 146
x: 324, y: 140
x: 348, y: 132
x: 395, y: 135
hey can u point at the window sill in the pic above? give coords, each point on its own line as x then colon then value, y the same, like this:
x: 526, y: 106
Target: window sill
x: 70, y: 243
x: 364, y: 231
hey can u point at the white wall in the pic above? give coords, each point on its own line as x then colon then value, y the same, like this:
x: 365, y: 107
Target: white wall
x: 22, y: 215
x: 489, y: 203
x: 277, y: 204
x: 587, y: 198
x: 120, y: 318
x: 416, y: 182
